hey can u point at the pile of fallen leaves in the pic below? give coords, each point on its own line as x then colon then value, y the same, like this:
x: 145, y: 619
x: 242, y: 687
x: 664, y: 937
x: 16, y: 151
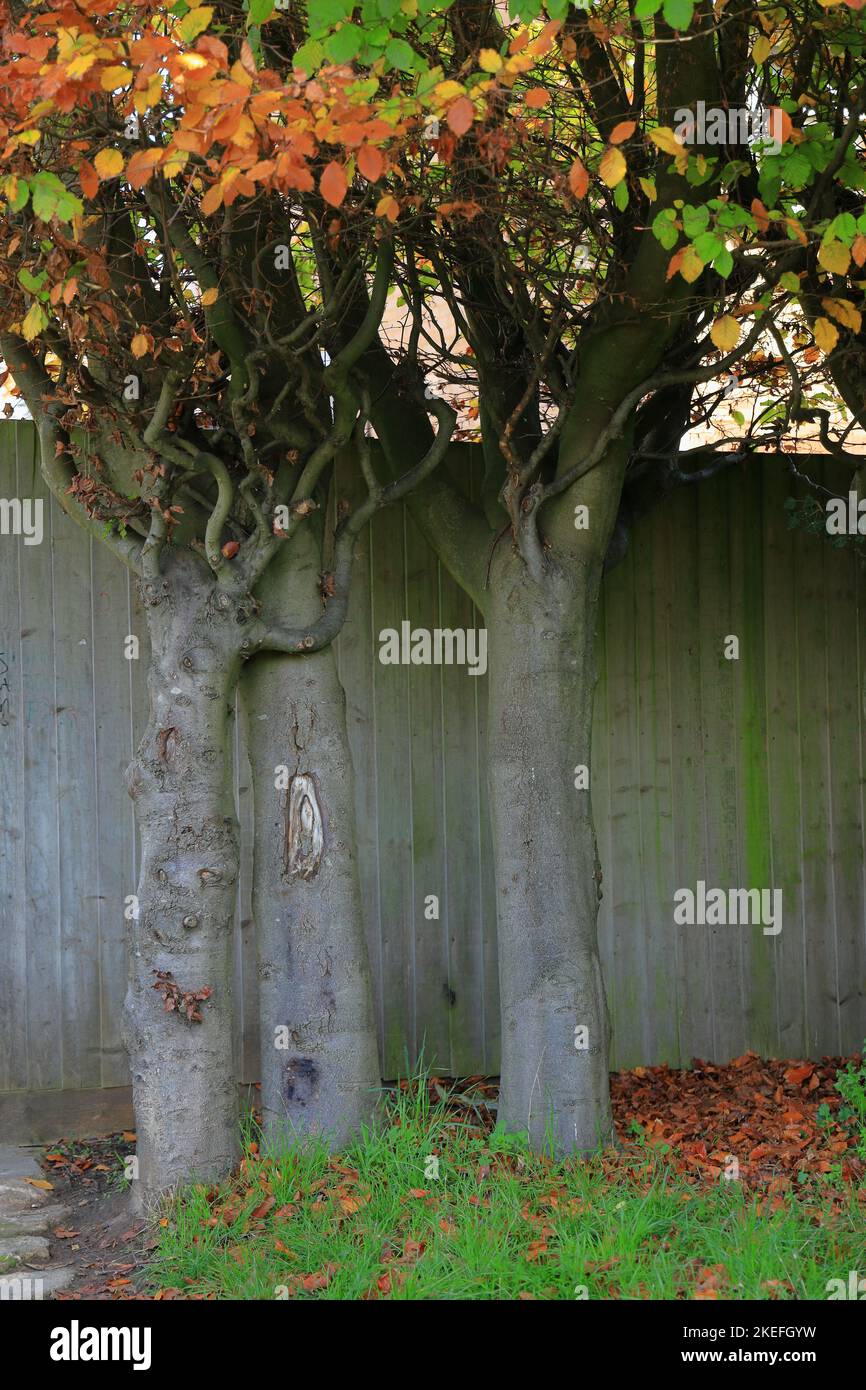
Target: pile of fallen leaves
x: 764, y: 1113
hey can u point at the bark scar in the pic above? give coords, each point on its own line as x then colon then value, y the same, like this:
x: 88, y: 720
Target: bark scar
x: 305, y: 836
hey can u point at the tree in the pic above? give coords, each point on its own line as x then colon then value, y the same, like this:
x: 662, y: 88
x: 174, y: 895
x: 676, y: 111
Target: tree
x: 169, y: 200
x: 583, y: 242
x: 591, y: 247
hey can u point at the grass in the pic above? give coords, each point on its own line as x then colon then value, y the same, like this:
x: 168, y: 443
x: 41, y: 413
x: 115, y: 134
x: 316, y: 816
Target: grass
x: 497, y: 1223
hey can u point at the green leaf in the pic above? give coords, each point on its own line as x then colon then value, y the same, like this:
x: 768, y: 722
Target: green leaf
x: 723, y: 263
x: 400, y: 55
x: 664, y: 229
x: 345, y: 44
x: 32, y: 283
x: 620, y: 195
x: 645, y: 9
x: 678, y: 13
x: 260, y: 11
x: 309, y: 57
x: 52, y: 199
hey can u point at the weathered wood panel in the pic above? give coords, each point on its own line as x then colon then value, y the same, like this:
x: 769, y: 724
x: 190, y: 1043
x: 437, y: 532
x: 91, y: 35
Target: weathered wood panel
x: 745, y: 773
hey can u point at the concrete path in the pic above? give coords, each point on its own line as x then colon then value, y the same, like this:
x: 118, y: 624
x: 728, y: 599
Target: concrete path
x: 28, y: 1214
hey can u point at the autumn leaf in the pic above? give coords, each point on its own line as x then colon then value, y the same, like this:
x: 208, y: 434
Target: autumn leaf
x: 333, y: 183
x: 536, y: 98
x: 844, y: 312
x: 691, y: 265
x: 388, y: 206
x: 371, y: 162
x: 725, y: 333
x: 666, y: 140
x: 139, y: 345
x: 212, y: 199
x: 780, y: 125
x: 795, y: 1076
x: 142, y: 165
x: 612, y: 169
x: 210, y: 297
x: 835, y: 257
x: 759, y: 212
x: 461, y: 114
x: 622, y: 131
x: 762, y: 49
x: 489, y: 60
x: 42, y: 1183
x: 826, y: 335
x: 34, y: 321
x: 88, y: 178
x: 108, y: 164
x: 578, y: 179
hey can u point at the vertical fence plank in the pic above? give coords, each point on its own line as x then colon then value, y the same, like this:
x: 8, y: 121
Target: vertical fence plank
x: 13, y: 884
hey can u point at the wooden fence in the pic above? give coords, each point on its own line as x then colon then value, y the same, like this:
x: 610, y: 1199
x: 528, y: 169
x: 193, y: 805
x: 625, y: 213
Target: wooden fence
x: 743, y: 772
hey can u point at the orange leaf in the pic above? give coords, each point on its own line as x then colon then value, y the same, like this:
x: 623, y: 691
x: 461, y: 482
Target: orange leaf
x: 461, y: 114
x: 88, y: 178
x: 333, y: 183
x: 230, y: 550
x: 536, y: 98
x: 858, y: 250
x: 795, y: 1076
x: 622, y: 131
x: 780, y: 124
x: 371, y: 162
x: 140, y: 168
x: 212, y: 199
x: 578, y: 179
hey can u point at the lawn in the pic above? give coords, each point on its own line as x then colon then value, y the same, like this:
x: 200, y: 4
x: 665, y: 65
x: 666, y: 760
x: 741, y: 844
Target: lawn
x: 737, y: 1182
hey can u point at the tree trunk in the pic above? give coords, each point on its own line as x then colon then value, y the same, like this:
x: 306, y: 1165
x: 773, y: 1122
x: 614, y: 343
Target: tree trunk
x: 184, y: 1085
x: 542, y: 677
x: 319, y: 1056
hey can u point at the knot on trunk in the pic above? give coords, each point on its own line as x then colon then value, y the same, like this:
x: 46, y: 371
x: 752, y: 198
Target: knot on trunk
x: 305, y: 836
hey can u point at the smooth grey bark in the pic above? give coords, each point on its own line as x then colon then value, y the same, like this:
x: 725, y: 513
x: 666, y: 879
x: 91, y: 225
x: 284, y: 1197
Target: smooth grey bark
x: 183, y: 1075
x: 542, y: 676
x: 319, y: 1056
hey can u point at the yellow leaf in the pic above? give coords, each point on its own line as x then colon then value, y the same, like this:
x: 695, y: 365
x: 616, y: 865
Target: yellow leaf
x: 844, y: 312
x: 139, y: 345
x: 762, y: 49
x: 115, y: 77
x: 108, y: 164
x: 209, y: 297
x: 691, y: 265
x: 29, y: 137
x: 34, y: 321
x: 489, y: 60
x: 447, y: 91
x: 649, y: 188
x: 835, y: 257
x: 41, y: 1183
x: 826, y: 335
x: 725, y: 333
x: 388, y: 206
x: 612, y: 168
x: 666, y: 140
